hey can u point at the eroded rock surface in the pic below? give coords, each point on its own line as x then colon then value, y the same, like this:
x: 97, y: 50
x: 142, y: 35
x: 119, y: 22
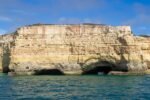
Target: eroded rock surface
x: 77, y: 49
x: 6, y: 42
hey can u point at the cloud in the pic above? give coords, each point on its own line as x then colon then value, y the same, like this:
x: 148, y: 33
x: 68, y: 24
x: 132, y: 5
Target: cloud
x: 24, y: 9
x: 141, y: 8
x: 139, y: 19
x: 93, y: 20
x: 4, y: 18
x: 23, y: 12
x: 143, y: 28
x: 69, y: 6
x: 142, y: 15
x: 64, y: 20
x: 2, y: 31
x: 80, y: 4
x: 18, y: 11
x: 6, y: 5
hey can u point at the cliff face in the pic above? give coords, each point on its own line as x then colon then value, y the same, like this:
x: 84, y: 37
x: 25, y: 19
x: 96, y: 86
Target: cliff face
x: 77, y: 49
x: 6, y: 42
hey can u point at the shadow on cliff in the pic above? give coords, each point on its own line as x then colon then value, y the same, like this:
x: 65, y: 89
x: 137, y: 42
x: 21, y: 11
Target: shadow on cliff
x: 122, y: 41
x: 104, y: 67
x: 6, y: 59
x: 49, y: 72
x: 96, y: 66
x: 122, y: 64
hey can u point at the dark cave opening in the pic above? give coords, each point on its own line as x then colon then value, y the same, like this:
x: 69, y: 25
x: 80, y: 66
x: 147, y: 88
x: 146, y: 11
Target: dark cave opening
x: 99, y: 70
x: 6, y: 58
x: 5, y: 70
x: 49, y: 72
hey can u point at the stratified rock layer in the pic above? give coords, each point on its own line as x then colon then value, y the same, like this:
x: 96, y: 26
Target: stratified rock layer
x: 77, y: 49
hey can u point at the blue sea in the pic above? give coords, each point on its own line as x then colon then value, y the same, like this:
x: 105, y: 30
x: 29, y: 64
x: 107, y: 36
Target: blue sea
x: 86, y: 87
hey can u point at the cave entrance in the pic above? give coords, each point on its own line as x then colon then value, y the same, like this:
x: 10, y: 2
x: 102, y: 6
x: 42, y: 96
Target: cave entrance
x: 101, y: 68
x: 49, y: 72
x: 98, y: 70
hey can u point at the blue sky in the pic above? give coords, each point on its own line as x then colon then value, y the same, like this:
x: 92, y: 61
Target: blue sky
x: 17, y: 13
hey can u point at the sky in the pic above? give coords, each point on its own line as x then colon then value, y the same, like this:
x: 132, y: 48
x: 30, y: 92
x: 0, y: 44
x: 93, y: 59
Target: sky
x: 17, y: 13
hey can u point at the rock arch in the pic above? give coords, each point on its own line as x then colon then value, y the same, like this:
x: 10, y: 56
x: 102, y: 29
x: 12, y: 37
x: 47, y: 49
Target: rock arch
x: 97, y: 66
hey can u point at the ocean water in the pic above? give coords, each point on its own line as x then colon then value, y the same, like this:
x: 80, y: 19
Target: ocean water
x: 86, y: 87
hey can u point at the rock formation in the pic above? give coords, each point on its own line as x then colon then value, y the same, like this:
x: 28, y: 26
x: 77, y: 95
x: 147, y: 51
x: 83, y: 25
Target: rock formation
x: 74, y: 49
x: 6, y: 42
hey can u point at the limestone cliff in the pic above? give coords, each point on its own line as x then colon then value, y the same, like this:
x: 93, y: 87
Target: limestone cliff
x: 75, y: 49
x: 6, y: 42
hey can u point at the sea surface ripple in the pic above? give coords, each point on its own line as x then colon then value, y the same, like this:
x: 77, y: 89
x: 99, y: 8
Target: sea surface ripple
x: 86, y: 87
